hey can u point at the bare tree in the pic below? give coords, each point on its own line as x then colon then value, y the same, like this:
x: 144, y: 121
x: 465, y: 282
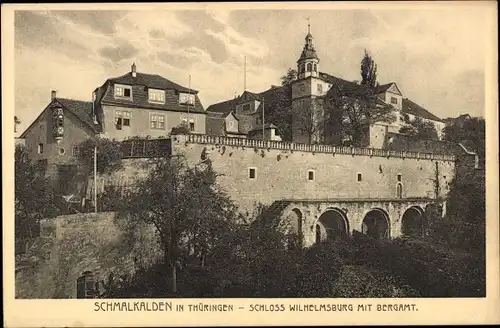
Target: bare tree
x: 310, y: 120
x: 350, y: 112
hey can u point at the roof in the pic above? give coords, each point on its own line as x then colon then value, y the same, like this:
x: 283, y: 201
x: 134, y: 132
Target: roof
x: 82, y: 110
x: 140, y: 83
x: 344, y: 86
x: 410, y: 107
x: 224, y: 106
x: 383, y: 87
x: 266, y: 126
x: 154, y: 81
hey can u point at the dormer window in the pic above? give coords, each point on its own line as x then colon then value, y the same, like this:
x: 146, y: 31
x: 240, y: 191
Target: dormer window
x: 123, y: 91
x: 186, y: 99
x: 156, y: 96
x: 247, y: 107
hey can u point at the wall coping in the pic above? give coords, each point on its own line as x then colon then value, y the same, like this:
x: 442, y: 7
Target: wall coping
x: 315, y: 148
x: 358, y: 200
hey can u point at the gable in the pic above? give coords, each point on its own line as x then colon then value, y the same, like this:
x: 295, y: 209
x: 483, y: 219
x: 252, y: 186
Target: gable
x: 394, y: 89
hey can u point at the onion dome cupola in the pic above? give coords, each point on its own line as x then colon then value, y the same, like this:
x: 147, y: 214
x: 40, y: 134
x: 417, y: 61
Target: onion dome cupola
x: 308, y: 63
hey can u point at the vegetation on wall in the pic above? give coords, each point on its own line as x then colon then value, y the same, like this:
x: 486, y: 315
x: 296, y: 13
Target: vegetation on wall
x: 419, y: 128
x: 109, y: 154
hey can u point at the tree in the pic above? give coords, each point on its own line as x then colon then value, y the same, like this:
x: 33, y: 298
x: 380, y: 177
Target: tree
x: 289, y: 77
x: 185, y: 205
x: 310, y: 121
x: 419, y: 128
x: 33, y: 195
x: 472, y: 131
x: 17, y: 121
x: 368, y: 71
x: 109, y: 154
x: 349, y: 113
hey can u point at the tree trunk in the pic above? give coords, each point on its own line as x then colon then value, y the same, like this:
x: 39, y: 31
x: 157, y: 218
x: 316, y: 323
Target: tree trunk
x: 174, y: 277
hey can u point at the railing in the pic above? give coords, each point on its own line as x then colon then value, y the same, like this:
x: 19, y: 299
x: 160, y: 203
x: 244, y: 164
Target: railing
x: 314, y: 148
x: 141, y: 148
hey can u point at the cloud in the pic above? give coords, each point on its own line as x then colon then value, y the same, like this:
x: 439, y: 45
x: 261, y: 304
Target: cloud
x: 100, y: 21
x: 117, y: 53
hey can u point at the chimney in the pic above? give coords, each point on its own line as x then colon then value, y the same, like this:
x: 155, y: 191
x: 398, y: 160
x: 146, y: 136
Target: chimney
x: 53, y: 95
x: 134, y: 73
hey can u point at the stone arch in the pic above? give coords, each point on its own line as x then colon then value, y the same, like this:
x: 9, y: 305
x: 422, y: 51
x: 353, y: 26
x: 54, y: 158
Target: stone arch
x: 412, y: 222
x: 332, y: 225
x: 376, y: 224
x: 295, y: 219
x: 309, y: 67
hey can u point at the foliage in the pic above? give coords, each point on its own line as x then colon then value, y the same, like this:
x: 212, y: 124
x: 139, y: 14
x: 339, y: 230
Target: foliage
x: 348, y: 114
x: 17, y: 121
x: 368, y: 71
x: 180, y: 129
x: 419, y: 128
x: 288, y: 77
x: 109, y: 154
x: 33, y: 195
x: 186, y: 207
x: 472, y: 131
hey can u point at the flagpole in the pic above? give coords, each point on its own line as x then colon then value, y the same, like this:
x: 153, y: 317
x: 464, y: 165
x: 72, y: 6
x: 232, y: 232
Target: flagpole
x: 263, y: 130
x: 189, y: 100
x: 95, y: 178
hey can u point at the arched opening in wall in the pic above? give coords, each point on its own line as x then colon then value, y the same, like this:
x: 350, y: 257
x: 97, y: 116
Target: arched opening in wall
x: 85, y: 285
x: 332, y: 225
x: 399, y: 190
x: 295, y: 220
x: 412, y: 222
x: 376, y: 224
x: 309, y: 67
x: 315, y: 68
x: 302, y: 68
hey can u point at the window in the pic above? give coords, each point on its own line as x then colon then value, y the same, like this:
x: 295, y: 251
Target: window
x: 76, y: 152
x: 157, y: 96
x: 191, y: 126
x: 123, y: 91
x: 310, y: 175
x: 309, y: 67
x: 61, y: 151
x: 252, y: 173
x: 359, y: 177
x: 40, y: 148
x: 246, y: 107
x: 157, y: 122
x: 399, y: 177
x: 399, y: 191
x: 394, y: 100
x: 302, y: 87
x: 320, y: 88
x: 122, y: 118
x: 315, y: 68
x: 186, y: 99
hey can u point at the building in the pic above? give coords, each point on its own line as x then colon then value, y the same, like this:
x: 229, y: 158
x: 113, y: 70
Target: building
x: 142, y: 105
x: 307, y: 94
x: 131, y: 105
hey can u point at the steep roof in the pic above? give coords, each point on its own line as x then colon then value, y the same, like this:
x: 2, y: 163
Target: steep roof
x: 82, y: 110
x: 224, y: 106
x: 410, y: 107
x: 153, y: 81
x: 383, y: 87
x: 344, y: 86
x: 215, y: 125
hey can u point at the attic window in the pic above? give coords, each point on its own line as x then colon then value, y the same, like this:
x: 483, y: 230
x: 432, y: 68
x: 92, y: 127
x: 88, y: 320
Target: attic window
x: 394, y: 100
x: 123, y: 91
x: 186, y: 99
x: 156, y: 96
x: 246, y: 107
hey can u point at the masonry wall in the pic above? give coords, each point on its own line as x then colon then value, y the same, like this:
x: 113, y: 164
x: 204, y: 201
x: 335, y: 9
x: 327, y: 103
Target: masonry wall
x: 70, y: 245
x: 284, y: 174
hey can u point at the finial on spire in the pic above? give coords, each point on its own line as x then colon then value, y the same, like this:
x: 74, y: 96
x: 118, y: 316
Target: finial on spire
x: 308, y: 25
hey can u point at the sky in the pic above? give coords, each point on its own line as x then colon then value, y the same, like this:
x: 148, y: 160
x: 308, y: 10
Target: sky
x: 436, y: 56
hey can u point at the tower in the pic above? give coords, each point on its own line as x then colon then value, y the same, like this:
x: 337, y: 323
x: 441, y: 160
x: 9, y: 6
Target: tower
x: 308, y: 63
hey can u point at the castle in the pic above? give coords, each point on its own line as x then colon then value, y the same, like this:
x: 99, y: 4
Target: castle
x: 391, y: 174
